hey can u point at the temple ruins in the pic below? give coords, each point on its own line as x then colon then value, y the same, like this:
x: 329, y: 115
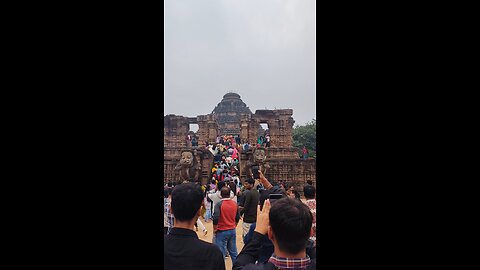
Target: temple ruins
x: 232, y: 117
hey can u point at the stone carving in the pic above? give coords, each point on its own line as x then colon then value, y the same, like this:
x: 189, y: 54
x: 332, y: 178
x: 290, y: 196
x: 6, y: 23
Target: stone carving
x: 258, y: 158
x: 283, y: 159
x: 188, y: 168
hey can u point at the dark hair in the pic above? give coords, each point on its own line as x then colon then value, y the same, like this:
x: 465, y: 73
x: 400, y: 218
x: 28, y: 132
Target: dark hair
x: 232, y: 187
x: 221, y: 184
x: 309, y: 182
x: 225, y: 192
x: 291, y: 222
x: 170, y: 184
x: 250, y: 181
x: 309, y: 192
x: 186, y: 201
x: 264, y: 194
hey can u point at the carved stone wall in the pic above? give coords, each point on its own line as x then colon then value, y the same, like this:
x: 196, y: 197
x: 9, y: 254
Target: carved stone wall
x: 175, y: 129
x: 232, y: 116
x: 228, y: 112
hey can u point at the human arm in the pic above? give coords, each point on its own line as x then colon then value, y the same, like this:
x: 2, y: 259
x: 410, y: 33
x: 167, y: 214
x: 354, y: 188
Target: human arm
x: 237, y: 217
x: 251, y: 252
x: 248, y: 201
x: 264, y: 180
x: 216, y: 215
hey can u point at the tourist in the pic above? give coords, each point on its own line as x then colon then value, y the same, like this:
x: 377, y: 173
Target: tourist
x: 225, y: 220
x: 287, y: 223
x: 266, y: 244
x: 194, y: 142
x: 305, y: 152
x: 234, y: 189
x: 215, y: 168
x: 292, y: 193
x: 188, y: 140
x: 165, y: 216
x: 182, y: 248
x: 249, y: 209
x: 309, y: 193
x: 246, y: 146
x: 267, y: 139
x: 234, y: 153
x: 167, y: 208
x: 200, y: 224
x: 260, y: 140
x: 216, y: 197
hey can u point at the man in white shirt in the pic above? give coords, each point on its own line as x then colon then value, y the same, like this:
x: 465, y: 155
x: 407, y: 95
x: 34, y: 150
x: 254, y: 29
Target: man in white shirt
x: 216, y: 197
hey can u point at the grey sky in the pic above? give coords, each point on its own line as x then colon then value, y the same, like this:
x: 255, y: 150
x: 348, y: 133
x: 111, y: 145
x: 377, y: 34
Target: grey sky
x: 264, y: 50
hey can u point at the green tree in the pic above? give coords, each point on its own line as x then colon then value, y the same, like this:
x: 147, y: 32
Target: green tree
x: 306, y: 135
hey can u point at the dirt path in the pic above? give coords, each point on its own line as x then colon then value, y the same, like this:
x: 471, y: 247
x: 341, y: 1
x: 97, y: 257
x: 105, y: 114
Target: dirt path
x: 208, y: 238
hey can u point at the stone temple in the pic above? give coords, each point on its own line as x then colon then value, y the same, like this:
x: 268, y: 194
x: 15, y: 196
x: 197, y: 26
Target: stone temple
x: 231, y: 116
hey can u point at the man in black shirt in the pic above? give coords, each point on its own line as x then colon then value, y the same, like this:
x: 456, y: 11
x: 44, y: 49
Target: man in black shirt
x: 288, y: 223
x: 182, y: 248
x: 249, y: 210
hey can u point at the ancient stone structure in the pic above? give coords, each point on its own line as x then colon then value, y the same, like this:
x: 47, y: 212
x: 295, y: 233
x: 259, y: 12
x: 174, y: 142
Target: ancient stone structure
x: 257, y: 157
x: 188, y: 167
x: 227, y: 114
x: 231, y: 116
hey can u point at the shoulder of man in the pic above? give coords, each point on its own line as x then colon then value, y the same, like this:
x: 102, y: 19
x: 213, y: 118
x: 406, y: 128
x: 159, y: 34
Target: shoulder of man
x: 260, y: 266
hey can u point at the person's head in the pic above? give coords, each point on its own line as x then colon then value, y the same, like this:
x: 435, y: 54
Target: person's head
x: 232, y: 186
x: 310, y: 182
x: 225, y: 192
x: 169, y: 184
x: 309, y: 192
x: 220, y: 185
x: 290, y: 225
x: 291, y: 193
x: 187, y: 200
x: 249, y: 183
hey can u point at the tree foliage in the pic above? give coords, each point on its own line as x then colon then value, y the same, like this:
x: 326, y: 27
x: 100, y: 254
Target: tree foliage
x: 306, y: 135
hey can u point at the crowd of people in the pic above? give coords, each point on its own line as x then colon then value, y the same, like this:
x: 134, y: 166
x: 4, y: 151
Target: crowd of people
x: 278, y: 229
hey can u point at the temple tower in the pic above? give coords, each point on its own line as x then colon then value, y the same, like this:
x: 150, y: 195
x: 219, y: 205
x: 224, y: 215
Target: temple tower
x: 228, y: 112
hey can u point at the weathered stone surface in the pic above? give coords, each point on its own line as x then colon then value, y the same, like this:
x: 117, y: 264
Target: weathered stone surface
x: 232, y: 117
x: 188, y: 167
x: 228, y: 112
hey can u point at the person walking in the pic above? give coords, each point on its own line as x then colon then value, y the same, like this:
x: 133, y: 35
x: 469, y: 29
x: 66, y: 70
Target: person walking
x: 305, y: 152
x: 287, y: 222
x: 249, y: 210
x: 225, y: 220
x: 181, y: 248
x: 309, y: 193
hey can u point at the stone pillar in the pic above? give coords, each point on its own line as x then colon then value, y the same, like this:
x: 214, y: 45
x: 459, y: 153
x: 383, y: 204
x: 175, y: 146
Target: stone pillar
x: 174, y: 131
x: 212, y: 128
x: 244, y: 128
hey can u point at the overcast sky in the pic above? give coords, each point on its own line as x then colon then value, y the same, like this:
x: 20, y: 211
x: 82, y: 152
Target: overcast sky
x: 264, y: 50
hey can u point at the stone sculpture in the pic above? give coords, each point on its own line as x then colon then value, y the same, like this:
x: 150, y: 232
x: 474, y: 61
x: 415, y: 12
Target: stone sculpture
x: 188, y: 168
x: 258, y: 158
